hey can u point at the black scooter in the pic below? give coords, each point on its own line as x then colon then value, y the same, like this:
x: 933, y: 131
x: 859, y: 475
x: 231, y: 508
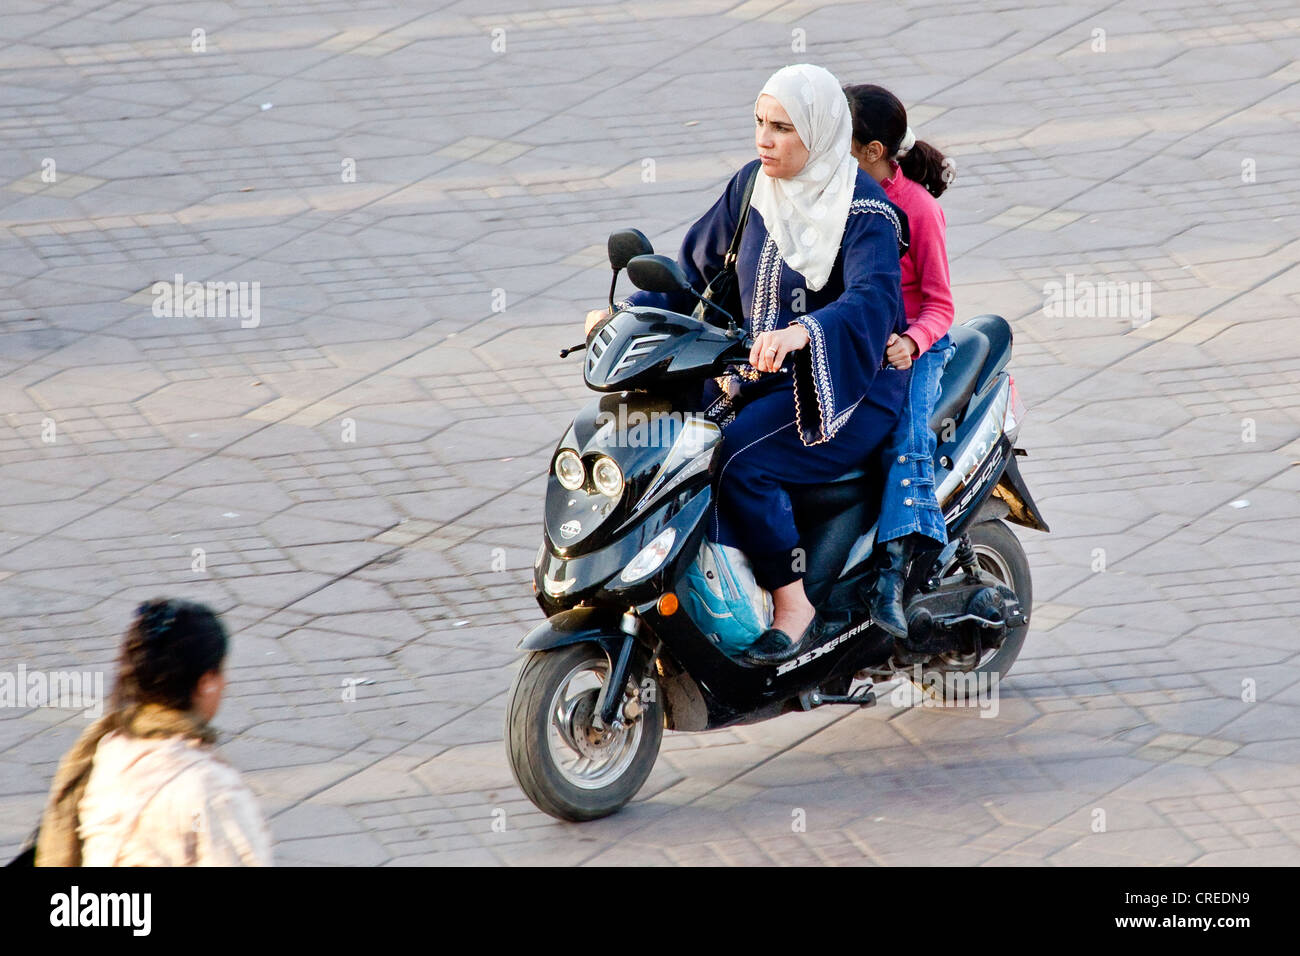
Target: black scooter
x: 618, y: 658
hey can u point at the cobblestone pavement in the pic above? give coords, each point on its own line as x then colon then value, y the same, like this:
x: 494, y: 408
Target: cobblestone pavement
x: 422, y: 191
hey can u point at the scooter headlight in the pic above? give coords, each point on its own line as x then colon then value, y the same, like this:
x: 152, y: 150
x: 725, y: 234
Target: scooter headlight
x: 607, y: 477
x: 569, y: 470
x: 649, y: 558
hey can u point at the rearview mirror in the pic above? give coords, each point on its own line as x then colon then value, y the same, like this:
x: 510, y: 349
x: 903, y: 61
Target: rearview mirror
x: 657, y: 274
x: 625, y: 245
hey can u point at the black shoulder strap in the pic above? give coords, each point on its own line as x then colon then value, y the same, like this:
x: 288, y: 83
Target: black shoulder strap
x: 729, y: 261
x: 734, y: 250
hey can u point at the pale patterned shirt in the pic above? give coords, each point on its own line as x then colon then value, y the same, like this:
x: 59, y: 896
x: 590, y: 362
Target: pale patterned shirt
x: 168, y: 801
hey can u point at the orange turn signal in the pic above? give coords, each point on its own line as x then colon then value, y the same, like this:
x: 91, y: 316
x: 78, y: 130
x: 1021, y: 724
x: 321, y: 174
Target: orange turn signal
x: 668, y: 604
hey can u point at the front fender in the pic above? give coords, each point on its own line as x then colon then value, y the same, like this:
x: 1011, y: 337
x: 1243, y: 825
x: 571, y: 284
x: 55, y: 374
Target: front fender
x: 599, y: 625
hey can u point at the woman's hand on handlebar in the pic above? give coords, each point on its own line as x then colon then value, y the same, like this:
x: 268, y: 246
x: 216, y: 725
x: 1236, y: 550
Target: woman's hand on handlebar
x: 770, y: 348
x: 594, y: 316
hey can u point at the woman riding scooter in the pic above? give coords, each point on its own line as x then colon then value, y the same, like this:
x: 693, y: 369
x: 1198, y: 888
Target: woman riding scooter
x: 819, y: 278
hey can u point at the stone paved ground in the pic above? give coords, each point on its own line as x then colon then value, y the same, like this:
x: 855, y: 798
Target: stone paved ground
x: 417, y: 310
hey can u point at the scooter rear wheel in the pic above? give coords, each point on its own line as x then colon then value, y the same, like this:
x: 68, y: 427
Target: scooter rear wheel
x: 999, y: 554
x: 562, y: 763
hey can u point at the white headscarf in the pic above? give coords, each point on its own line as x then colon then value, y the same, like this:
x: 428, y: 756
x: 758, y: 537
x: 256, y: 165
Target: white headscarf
x: 805, y: 214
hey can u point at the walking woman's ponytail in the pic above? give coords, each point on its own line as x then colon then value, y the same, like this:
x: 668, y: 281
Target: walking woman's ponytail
x: 879, y: 116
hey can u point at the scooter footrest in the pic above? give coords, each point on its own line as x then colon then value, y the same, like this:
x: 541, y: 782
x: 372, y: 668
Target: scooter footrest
x: 863, y: 698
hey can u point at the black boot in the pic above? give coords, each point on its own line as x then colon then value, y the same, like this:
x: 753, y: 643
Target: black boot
x: 887, y: 592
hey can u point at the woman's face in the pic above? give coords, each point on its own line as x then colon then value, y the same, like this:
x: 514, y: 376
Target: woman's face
x: 779, y: 147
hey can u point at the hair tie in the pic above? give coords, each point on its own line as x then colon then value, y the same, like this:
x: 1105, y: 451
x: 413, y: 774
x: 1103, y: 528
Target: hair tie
x: 157, y: 618
x: 909, y: 140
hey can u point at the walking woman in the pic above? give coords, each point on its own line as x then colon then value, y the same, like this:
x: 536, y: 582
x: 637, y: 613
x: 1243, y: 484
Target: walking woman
x: 818, y: 273
x: 912, y: 174
x: 142, y: 786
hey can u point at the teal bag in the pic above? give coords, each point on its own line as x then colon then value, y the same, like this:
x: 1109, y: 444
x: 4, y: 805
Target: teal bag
x: 723, y: 599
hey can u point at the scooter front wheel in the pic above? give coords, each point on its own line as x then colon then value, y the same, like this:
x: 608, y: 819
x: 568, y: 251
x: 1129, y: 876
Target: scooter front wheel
x: 563, y: 764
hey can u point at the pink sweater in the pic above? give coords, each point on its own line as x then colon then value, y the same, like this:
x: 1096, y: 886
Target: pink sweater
x: 927, y: 291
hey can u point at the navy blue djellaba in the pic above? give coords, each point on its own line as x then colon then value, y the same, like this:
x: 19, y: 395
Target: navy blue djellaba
x: 831, y: 406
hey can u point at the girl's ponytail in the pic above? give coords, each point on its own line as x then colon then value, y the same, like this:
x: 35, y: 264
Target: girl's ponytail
x: 925, y: 164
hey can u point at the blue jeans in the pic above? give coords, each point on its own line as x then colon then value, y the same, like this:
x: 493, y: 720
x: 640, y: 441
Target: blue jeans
x: 908, y: 504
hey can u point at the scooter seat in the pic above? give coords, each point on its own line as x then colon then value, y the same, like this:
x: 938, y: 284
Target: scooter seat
x: 857, y: 474
x: 830, y: 518
x: 960, y: 375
